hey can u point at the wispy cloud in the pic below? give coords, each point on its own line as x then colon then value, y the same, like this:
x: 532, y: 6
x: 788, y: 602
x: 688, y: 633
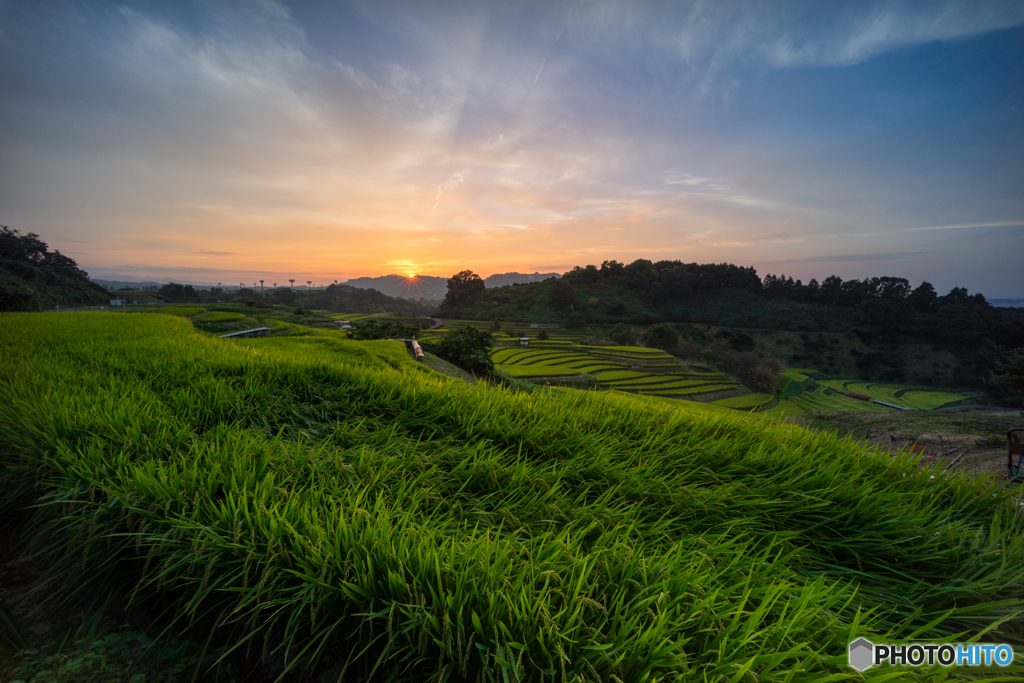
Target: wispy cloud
x: 965, y: 226
x: 790, y: 33
x: 853, y: 258
x: 453, y: 181
x: 691, y: 181
x: 276, y: 139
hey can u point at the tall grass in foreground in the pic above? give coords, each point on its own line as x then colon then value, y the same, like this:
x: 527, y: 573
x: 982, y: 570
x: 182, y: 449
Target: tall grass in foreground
x: 331, y: 500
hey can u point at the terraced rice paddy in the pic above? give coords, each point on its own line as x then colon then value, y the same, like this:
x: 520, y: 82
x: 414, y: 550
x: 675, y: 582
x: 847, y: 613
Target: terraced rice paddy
x: 332, y: 503
x: 182, y: 311
x: 654, y: 372
x: 921, y: 398
x: 822, y: 400
x: 748, y: 402
x: 219, y: 317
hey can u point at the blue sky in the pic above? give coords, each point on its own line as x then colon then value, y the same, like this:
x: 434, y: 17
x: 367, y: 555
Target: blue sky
x: 218, y: 141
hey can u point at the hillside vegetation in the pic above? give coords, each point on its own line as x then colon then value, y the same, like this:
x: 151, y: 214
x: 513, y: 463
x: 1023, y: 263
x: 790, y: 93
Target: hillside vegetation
x: 897, y: 324
x: 328, y: 502
x: 33, y: 278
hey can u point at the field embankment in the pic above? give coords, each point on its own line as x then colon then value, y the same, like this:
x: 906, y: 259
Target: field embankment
x: 334, y: 504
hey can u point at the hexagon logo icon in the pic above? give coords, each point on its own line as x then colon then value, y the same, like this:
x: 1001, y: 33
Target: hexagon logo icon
x: 861, y: 654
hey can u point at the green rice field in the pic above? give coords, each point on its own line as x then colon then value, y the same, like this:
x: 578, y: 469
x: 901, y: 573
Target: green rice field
x: 337, y: 506
x: 656, y: 372
x: 748, y: 402
x: 219, y: 317
x: 922, y: 398
x: 820, y: 400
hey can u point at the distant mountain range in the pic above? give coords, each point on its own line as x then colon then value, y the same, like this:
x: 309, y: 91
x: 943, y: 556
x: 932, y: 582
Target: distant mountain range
x: 434, y: 288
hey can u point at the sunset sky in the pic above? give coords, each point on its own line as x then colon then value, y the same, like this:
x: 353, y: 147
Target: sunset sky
x: 228, y: 141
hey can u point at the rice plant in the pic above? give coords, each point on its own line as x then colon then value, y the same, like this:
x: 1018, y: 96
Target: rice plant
x: 328, y: 501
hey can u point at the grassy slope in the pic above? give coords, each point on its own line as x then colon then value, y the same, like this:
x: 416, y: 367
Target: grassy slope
x: 337, y: 499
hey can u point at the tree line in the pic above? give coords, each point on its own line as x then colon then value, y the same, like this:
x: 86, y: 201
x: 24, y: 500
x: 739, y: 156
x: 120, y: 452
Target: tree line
x: 32, y: 277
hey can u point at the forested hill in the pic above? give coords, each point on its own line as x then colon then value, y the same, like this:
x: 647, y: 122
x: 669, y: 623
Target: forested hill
x: 880, y: 310
x: 33, y: 278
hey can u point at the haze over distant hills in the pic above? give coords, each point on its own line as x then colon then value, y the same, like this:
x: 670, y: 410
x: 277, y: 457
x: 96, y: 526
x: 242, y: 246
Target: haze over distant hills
x: 434, y: 288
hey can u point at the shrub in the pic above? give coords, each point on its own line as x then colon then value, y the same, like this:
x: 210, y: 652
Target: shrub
x: 759, y: 374
x: 688, y: 350
x: 575, y: 321
x: 386, y: 329
x: 622, y: 335
x: 542, y: 335
x: 466, y: 347
x: 662, y: 335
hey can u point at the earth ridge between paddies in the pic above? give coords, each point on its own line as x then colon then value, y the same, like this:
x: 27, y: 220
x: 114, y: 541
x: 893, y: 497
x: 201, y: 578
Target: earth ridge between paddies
x: 334, y: 504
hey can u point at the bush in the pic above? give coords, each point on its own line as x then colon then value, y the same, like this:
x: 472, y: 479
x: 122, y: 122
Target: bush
x: 662, y: 335
x: 622, y: 335
x: 688, y: 350
x: 575, y: 321
x: 387, y: 329
x: 759, y: 374
x: 466, y: 347
x: 542, y: 335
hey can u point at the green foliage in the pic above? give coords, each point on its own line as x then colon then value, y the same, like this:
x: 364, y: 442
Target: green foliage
x: 538, y: 370
x: 285, y: 296
x: 1009, y: 371
x: 542, y: 335
x: 329, y: 498
x: 662, y: 335
x: 126, y: 656
x: 32, y: 277
x: 17, y: 293
x: 622, y: 335
x: 221, y: 317
x: 174, y: 293
x: 748, y: 402
x: 562, y: 296
x: 465, y: 347
x: 179, y: 311
x: 463, y: 288
x: 377, y: 328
